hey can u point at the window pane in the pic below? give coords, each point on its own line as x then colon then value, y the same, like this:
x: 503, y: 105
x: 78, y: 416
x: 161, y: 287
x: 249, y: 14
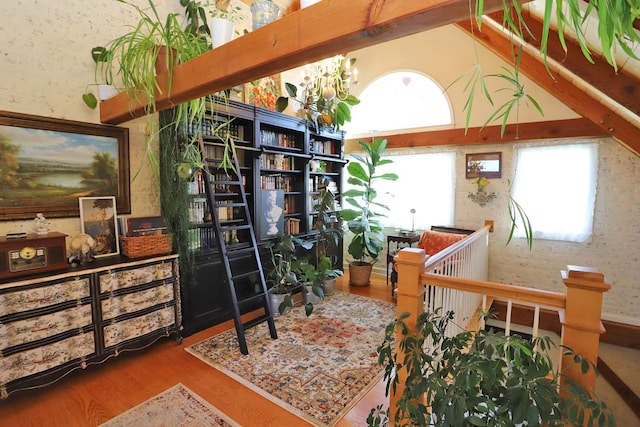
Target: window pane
x: 426, y: 183
x: 556, y: 187
x: 400, y: 100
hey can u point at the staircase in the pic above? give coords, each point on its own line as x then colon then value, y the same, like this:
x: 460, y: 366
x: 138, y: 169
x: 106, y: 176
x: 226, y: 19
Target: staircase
x: 236, y: 241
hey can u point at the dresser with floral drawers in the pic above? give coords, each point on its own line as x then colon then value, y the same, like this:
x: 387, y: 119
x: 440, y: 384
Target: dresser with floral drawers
x: 51, y: 325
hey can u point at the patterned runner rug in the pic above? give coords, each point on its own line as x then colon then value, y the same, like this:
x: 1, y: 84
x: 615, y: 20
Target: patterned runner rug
x: 177, y: 406
x: 319, y: 367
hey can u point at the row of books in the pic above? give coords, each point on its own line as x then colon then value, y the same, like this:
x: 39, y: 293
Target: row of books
x: 292, y: 226
x: 323, y: 147
x: 210, y: 127
x: 268, y: 137
x: 204, y: 238
x: 276, y: 161
x: 277, y: 182
x: 141, y: 226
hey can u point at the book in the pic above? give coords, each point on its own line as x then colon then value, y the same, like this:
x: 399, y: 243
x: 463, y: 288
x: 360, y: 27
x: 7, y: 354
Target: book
x: 146, y: 226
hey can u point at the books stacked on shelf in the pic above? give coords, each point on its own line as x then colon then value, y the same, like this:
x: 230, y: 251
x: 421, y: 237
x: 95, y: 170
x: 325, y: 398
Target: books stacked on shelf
x: 323, y: 147
x: 269, y: 137
x: 276, y: 161
x: 214, y: 128
x: 292, y: 226
x: 289, y: 204
x: 142, y: 226
x: 197, y: 185
x: 276, y: 182
x: 226, y: 213
x: 197, y: 209
x: 201, y: 238
x: 316, y: 183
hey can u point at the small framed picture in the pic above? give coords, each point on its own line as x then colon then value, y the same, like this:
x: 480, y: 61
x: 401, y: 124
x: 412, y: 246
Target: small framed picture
x: 98, y: 219
x: 488, y: 165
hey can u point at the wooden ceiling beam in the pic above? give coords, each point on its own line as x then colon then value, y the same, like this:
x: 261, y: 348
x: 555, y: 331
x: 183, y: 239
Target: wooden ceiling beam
x: 307, y: 35
x: 556, y: 129
x: 585, y: 102
x: 622, y: 87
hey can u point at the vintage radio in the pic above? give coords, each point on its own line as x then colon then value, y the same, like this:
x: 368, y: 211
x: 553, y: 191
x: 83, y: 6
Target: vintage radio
x: 34, y: 253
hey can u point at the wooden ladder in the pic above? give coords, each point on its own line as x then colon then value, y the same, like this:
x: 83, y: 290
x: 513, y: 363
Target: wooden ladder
x: 236, y: 241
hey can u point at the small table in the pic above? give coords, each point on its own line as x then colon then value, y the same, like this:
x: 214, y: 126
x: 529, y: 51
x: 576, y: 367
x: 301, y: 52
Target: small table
x: 400, y: 241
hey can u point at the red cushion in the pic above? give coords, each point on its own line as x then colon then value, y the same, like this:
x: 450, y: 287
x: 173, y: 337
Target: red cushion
x: 434, y: 241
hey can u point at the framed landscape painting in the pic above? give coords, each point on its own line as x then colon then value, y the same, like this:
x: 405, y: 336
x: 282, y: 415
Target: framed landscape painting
x: 98, y: 219
x: 46, y: 164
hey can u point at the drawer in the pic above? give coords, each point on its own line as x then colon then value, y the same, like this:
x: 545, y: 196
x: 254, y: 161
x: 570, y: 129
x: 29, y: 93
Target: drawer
x: 29, y: 330
x: 113, y: 280
x: 40, y: 359
x: 116, y: 333
x: 130, y: 303
x: 33, y: 298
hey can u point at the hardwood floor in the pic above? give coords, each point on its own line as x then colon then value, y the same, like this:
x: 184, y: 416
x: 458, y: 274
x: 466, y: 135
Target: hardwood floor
x: 99, y: 393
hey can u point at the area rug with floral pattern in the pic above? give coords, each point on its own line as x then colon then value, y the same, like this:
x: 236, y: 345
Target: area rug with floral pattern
x: 177, y: 406
x: 319, y: 367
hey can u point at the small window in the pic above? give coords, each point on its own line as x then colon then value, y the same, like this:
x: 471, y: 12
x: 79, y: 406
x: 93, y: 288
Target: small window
x: 556, y: 186
x: 398, y: 101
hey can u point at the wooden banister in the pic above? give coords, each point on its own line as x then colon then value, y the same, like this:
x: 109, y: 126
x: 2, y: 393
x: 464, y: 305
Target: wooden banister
x: 580, y: 307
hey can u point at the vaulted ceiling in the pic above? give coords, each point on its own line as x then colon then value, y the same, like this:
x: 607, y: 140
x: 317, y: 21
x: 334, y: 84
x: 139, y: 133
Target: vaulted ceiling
x: 609, y: 101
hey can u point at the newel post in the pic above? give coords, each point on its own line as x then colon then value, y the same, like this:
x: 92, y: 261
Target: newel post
x: 581, y: 324
x: 409, y: 264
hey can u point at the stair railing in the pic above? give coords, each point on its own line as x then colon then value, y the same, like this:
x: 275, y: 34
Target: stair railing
x: 579, y: 307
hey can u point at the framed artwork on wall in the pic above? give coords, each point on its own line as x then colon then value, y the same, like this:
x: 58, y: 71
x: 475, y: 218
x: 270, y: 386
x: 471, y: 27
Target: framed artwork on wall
x: 263, y: 92
x: 48, y: 163
x: 487, y: 165
x: 98, y: 219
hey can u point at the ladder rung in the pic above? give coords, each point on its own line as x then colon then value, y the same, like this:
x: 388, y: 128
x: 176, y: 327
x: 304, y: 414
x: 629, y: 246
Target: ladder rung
x: 251, y: 299
x: 253, y: 322
x: 239, y: 249
x: 246, y: 274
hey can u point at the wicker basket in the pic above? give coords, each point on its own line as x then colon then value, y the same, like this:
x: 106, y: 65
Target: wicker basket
x: 142, y: 246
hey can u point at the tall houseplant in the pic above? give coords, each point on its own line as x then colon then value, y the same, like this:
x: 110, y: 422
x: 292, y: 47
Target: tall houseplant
x: 480, y: 379
x: 363, y: 216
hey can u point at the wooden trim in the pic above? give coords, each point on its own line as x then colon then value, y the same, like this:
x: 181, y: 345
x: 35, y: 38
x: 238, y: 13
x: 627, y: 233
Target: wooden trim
x: 554, y: 129
x: 621, y: 334
x: 583, y: 101
x: 625, y: 392
x: 292, y: 41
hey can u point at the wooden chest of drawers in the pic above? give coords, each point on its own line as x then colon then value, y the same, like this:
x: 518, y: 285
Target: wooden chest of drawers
x: 51, y: 325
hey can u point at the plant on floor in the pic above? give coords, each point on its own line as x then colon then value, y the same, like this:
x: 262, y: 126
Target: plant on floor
x: 363, y: 217
x: 480, y: 379
x: 283, y: 275
x: 328, y: 224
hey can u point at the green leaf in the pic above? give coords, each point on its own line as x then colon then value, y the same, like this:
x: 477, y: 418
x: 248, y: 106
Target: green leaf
x: 90, y: 100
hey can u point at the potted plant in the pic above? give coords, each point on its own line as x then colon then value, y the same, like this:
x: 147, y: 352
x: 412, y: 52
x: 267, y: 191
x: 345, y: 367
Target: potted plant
x: 101, y: 56
x: 480, y: 379
x: 363, y: 218
x: 309, y: 278
x: 223, y: 20
x: 283, y: 276
x: 328, y: 225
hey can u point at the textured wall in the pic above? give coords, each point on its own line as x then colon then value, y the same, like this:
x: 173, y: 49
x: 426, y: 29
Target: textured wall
x: 45, y: 67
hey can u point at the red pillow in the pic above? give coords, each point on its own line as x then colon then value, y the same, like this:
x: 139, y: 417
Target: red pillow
x: 434, y: 241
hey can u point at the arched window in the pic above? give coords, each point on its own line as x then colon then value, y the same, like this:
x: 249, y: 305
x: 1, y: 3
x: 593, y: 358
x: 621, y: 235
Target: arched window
x: 398, y: 101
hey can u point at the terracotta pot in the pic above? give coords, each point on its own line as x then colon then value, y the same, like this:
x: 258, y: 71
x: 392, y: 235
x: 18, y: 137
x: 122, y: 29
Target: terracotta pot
x: 162, y: 61
x: 360, y: 273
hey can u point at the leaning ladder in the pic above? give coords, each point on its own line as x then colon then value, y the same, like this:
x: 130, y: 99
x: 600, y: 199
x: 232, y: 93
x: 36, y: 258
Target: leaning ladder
x: 236, y: 240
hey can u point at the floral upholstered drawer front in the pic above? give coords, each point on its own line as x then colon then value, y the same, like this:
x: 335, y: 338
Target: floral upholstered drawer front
x: 116, y: 333
x: 44, y: 326
x: 40, y: 359
x: 130, y: 303
x: 30, y: 299
x: 113, y: 280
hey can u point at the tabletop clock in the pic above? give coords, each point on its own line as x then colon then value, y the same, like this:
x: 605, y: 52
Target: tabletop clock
x: 34, y: 253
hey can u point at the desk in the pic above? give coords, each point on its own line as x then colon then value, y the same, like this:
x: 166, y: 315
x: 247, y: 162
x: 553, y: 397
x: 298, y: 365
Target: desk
x: 399, y: 241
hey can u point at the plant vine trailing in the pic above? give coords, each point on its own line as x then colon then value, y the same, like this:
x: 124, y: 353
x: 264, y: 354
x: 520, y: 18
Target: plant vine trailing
x: 615, y: 30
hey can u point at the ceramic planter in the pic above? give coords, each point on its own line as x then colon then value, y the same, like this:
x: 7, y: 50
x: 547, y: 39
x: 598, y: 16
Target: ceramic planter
x: 275, y: 300
x: 305, y: 3
x: 263, y: 12
x: 221, y: 31
x: 310, y: 297
x: 329, y: 286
